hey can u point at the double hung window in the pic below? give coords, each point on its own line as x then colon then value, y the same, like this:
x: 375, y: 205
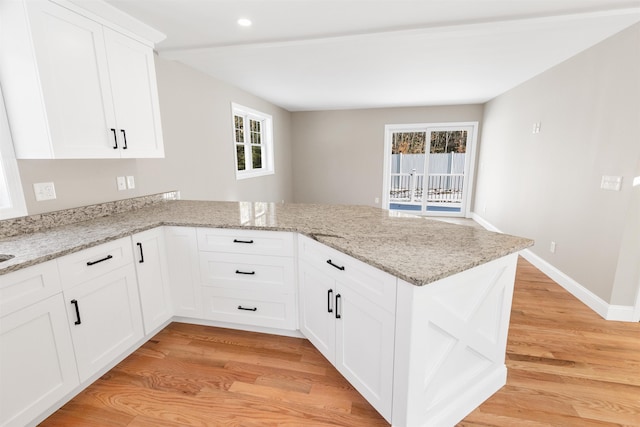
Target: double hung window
x: 253, y: 142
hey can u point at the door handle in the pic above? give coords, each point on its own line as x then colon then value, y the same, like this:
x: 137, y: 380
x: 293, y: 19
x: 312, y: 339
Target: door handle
x: 141, y: 253
x: 338, y: 299
x: 100, y: 260
x: 75, y: 304
x: 330, y: 301
x: 124, y: 138
x: 115, y: 139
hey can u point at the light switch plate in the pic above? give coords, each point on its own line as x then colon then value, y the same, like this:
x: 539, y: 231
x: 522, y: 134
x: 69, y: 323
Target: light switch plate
x: 131, y: 182
x: 613, y: 183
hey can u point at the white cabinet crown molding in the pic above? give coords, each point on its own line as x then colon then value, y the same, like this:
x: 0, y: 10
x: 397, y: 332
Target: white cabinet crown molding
x: 116, y: 19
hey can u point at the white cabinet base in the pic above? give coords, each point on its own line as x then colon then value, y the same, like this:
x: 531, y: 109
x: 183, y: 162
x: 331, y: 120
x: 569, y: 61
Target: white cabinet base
x: 450, y: 347
x: 37, y: 364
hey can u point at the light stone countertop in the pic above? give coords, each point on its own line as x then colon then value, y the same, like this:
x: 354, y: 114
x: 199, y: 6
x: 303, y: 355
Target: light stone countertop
x: 417, y: 250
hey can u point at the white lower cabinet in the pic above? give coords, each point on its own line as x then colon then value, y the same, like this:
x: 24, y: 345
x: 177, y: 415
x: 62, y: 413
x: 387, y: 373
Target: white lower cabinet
x: 184, y: 274
x: 37, y: 363
x: 347, y: 310
x: 104, y: 317
x: 103, y: 307
x: 248, y: 277
x: 153, y: 278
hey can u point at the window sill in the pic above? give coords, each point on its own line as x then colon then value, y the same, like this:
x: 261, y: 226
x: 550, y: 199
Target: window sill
x: 252, y: 174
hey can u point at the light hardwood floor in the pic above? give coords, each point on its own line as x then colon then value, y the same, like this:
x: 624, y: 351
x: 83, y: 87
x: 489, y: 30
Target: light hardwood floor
x: 567, y: 367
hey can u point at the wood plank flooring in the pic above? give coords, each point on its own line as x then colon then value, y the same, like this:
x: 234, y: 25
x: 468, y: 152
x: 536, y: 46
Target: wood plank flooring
x: 567, y: 367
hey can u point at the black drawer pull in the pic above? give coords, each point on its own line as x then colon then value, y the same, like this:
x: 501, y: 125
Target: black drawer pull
x: 141, y: 253
x: 248, y: 273
x: 339, y: 267
x: 338, y: 315
x: 100, y: 260
x: 247, y: 309
x: 75, y: 303
x: 330, y: 301
x: 115, y: 139
x: 124, y: 137
x: 242, y: 241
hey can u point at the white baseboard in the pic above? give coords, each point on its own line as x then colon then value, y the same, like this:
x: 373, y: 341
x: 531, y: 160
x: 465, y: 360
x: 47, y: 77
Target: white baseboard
x: 605, y: 310
x: 237, y: 326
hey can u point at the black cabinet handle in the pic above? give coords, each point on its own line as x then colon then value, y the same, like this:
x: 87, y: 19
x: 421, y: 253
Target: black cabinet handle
x: 339, y: 267
x: 330, y: 301
x: 338, y: 315
x: 124, y: 137
x: 75, y: 303
x: 141, y: 253
x: 100, y: 260
x: 249, y: 273
x: 115, y: 139
x: 242, y: 241
x: 247, y: 309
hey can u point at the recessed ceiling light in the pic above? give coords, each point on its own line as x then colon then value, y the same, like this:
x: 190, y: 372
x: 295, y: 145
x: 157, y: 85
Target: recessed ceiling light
x: 244, y: 22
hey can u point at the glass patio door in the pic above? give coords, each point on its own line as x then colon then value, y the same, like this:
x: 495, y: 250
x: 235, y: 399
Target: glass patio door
x: 428, y: 168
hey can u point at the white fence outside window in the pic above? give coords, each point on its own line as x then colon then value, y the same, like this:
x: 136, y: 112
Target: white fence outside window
x: 444, y: 183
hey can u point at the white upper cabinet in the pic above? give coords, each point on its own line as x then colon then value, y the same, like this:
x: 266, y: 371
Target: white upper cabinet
x: 135, y: 97
x: 75, y: 88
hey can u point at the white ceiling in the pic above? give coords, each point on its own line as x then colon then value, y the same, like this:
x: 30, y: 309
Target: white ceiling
x: 333, y: 54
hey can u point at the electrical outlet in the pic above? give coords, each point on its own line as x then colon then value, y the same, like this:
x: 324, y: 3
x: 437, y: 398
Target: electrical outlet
x: 376, y: 200
x: 44, y: 191
x: 122, y: 184
x: 552, y: 247
x: 131, y: 182
x: 536, y: 128
x: 612, y: 183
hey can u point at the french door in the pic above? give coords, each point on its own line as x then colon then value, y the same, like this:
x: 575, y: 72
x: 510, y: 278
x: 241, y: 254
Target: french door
x: 428, y: 168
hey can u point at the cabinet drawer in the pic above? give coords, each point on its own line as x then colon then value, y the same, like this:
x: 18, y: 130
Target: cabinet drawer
x: 376, y: 285
x: 28, y: 286
x: 93, y: 262
x: 249, y: 272
x: 258, y: 308
x: 257, y: 242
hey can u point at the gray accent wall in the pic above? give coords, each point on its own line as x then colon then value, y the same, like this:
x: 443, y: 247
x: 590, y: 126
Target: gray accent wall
x: 546, y: 186
x: 338, y: 155
x: 199, y: 149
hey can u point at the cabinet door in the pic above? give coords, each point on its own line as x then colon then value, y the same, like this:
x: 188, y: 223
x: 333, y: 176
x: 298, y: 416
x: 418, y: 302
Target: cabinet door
x: 135, y: 96
x: 153, y: 278
x: 365, y: 347
x: 107, y: 321
x: 37, y: 364
x: 184, y: 274
x: 317, y: 309
x: 72, y: 64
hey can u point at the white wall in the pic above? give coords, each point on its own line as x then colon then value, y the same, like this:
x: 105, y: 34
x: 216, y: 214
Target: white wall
x: 546, y: 186
x: 199, y: 161
x: 338, y: 155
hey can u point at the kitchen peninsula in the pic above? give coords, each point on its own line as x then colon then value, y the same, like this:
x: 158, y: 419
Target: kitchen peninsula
x: 434, y: 296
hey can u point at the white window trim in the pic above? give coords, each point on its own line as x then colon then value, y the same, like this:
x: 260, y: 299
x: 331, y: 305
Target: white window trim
x: 10, y: 169
x: 268, y: 167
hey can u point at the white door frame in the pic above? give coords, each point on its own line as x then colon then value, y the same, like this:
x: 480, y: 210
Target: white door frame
x: 426, y: 127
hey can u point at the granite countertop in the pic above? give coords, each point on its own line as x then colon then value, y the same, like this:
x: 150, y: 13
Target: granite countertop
x: 418, y: 250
